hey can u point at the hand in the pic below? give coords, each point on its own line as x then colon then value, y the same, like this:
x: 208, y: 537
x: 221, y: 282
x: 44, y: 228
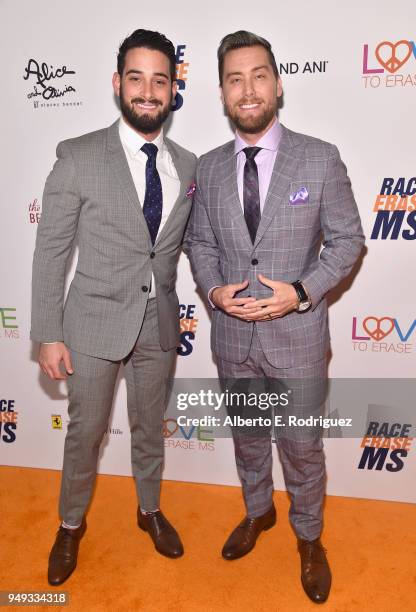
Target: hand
x: 223, y: 298
x: 283, y: 300
x: 50, y: 358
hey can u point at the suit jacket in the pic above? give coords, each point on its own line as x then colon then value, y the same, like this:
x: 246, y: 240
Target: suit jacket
x: 90, y: 194
x: 287, y: 246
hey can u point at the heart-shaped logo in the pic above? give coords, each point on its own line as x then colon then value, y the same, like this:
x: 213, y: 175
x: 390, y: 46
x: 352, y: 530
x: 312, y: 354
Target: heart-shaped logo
x: 393, y: 56
x: 377, y: 329
x: 170, y: 426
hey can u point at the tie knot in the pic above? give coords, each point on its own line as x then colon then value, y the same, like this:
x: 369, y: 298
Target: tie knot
x: 251, y: 152
x: 150, y: 149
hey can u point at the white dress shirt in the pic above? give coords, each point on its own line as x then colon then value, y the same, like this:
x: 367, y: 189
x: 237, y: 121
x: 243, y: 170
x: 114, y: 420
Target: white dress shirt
x: 132, y: 143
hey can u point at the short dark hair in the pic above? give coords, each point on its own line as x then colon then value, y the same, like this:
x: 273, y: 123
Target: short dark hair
x: 241, y: 39
x: 148, y: 40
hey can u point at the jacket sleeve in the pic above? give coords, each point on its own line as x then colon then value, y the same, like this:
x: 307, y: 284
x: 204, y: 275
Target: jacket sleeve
x: 57, y: 228
x: 343, y: 236
x: 200, y: 243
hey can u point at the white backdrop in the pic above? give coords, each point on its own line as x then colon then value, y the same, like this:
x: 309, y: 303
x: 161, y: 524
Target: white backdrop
x: 340, y: 84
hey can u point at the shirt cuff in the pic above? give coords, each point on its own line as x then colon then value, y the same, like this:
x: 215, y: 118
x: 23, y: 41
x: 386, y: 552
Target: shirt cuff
x: 211, y: 303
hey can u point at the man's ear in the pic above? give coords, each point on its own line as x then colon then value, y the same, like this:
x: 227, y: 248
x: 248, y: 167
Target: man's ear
x: 222, y: 95
x: 279, y: 87
x: 174, y: 89
x: 116, y: 84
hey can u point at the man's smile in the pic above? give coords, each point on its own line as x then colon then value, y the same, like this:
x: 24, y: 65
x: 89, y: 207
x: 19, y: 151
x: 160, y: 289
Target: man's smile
x: 249, y: 106
x: 145, y: 105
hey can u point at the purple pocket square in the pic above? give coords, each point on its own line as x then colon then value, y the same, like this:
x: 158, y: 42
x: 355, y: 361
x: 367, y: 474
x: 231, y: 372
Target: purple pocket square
x: 191, y: 190
x: 299, y: 197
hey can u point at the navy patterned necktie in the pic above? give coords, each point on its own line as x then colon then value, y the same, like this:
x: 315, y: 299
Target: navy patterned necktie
x: 153, y: 199
x: 251, y: 196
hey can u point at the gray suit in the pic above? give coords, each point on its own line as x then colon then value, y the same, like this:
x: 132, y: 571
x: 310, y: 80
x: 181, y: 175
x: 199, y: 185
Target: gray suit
x: 286, y: 248
x: 90, y: 195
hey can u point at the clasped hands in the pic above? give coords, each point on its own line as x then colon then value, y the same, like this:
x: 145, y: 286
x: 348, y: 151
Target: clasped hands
x: 283, y: 300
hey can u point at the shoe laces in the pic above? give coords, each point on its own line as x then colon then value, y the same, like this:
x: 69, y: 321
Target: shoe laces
x: 314, y: 551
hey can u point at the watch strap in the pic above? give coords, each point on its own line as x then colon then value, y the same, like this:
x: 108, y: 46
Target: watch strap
x: 300, y: 291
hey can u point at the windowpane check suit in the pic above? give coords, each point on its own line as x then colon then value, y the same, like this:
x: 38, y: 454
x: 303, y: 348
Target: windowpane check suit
x: 287, y: 247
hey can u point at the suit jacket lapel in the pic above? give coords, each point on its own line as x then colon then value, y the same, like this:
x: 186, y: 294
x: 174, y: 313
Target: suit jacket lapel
x: 121, y: 170
x: 185, y: 176
x: 283, y: 171
x: 229, y: 191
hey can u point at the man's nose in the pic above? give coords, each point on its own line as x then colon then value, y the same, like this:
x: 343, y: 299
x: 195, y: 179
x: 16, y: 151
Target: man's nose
x: 248, y: 87
x: 147, y: 90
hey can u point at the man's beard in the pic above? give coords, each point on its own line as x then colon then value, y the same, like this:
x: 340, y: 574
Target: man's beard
x: 252, y: 124
x: 143, y: 123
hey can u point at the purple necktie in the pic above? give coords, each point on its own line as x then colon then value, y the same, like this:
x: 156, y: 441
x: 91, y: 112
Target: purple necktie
x: 153, y: 199
x: 251, y: 194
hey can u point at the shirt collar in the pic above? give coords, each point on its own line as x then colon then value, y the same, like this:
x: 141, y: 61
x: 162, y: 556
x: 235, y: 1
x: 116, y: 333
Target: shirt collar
x: 270, y: 140
x: 134, y: 142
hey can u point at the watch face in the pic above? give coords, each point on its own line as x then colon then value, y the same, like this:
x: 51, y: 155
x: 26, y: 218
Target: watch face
x: 303, y: 306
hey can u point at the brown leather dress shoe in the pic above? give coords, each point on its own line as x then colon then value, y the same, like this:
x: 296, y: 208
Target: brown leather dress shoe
x: 164, y: 535
x: 64, y: 553
x: 315, y: 572
x: 244, y: 536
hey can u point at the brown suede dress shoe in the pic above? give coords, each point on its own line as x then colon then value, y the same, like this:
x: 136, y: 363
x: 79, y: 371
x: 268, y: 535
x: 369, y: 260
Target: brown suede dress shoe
x: 244, y: 536
x: 315, y: 572
x: 164, y: 535
x: 64, y: 553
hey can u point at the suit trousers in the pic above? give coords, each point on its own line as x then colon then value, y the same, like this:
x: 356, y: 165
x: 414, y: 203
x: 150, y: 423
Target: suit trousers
x: 90, y: 392
x: 300, y: 449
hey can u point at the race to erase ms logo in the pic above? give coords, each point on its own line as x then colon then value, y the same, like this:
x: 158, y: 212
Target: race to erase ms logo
x: 181, y: 76
x: 388, y: 64
x: 383, y: 334
x: 188, y: 325
x: 8, y: 324
x: 8, y: 421
x: 385, y: 446
x: 395, y: 209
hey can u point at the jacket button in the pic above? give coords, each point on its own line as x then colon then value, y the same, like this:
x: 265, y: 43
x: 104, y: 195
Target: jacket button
x: 145, y: 289
x: 254, y: 262
x: 152, y: 255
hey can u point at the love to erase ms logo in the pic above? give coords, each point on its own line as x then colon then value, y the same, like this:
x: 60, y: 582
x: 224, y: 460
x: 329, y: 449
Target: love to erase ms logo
x: 395, y: 209
x: 387, y: 64
x: 8, y: 421
x: 182, y: 68
x: 8, y: 324
x: 194, y: 437
x: 370, y: 333
x: 385, y: 446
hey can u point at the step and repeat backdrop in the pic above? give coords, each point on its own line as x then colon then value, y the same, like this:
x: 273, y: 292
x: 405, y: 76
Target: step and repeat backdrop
x: 349, y: 77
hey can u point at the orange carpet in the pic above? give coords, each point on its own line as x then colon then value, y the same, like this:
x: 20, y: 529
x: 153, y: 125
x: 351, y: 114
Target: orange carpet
x: 371, y: 548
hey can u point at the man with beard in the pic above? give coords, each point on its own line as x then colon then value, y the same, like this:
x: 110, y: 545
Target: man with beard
x: 126, y: 193
x: 262, y: 204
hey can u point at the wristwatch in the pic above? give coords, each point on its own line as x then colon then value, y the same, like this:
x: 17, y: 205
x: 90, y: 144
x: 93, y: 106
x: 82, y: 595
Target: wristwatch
x: 304, y: 299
